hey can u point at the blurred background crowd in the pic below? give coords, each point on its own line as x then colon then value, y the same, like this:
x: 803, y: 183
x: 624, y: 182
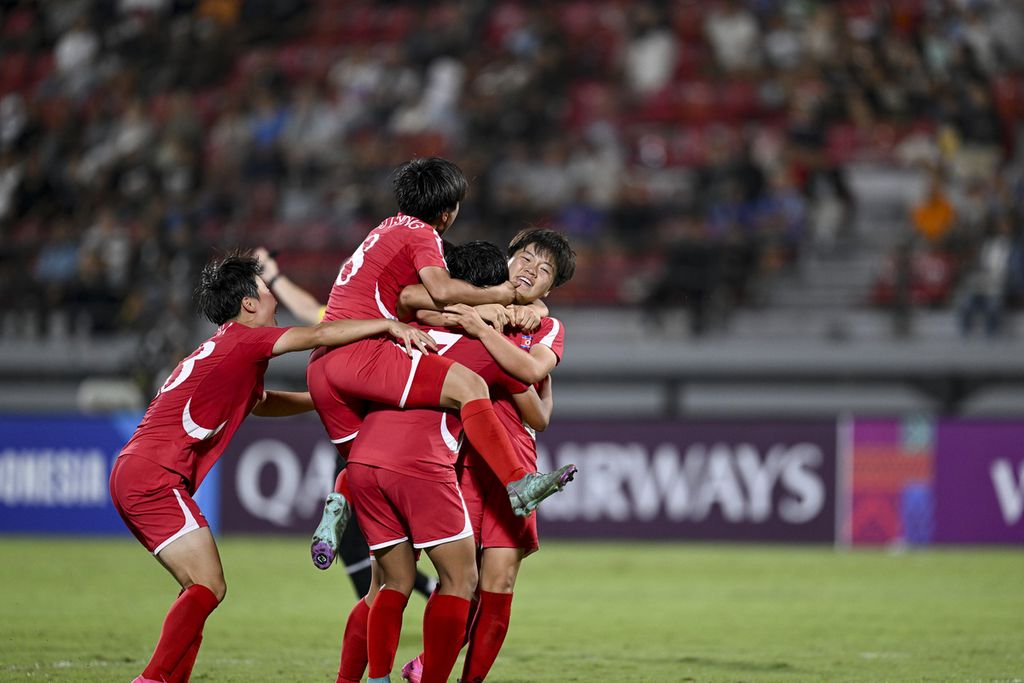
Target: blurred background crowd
x: 698, y: 154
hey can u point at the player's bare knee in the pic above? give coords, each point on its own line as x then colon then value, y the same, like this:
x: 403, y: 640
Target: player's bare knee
x: 218, y: 587
x: 400, y: 585
x: 459, y: 581
x: 462, y: 385
x: 499, y: 579
x: 470, y: 581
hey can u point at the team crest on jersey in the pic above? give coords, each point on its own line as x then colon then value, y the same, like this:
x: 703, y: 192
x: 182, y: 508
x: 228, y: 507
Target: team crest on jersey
x: 527, y: 342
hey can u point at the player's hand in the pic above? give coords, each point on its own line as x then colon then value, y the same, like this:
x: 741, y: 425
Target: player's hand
x: 410, y: 336
x: 508, y: 293
x: 523, y: 318
x: 270, y: 268
x: 467, y: 318
x: 496, y: 315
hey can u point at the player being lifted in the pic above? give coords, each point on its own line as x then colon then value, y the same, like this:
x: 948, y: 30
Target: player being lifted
x: 350, y: 547
x: 404, y: 250
x: 540, y: 260
x: 189, y: 424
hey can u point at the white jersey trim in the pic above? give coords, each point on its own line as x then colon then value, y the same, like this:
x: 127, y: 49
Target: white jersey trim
x: 194, y: 430
x: 190, y: 524
x: 380, y: 304
x: 466, y: 531
x: 446, y: 434
x: 388, y: 544
x: 549, y: 339
x: 345, y: 438
x: 416, y: 355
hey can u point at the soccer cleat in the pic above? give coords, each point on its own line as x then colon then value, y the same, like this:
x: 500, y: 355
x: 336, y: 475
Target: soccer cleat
x: 527, y: 493
x: 382, y: 679
x: 327, y: 536
x: 413, y: 669
x: 140, y: 679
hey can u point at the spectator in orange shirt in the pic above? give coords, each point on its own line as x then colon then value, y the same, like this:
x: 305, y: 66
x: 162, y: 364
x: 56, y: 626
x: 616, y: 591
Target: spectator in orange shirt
x: 934, y: 217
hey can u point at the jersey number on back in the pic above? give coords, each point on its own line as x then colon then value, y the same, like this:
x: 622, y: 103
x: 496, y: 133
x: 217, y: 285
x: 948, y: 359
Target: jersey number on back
x: 187, y: 366
x: 445, y: 340
x: 354, y: 263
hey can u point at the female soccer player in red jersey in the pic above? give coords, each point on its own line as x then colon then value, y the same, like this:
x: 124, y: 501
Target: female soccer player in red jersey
x: 189, y: 424
x: 403, y: 250
x: 540, y: 261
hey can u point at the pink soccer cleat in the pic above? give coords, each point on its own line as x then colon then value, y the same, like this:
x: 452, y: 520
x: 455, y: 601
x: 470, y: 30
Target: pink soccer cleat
x: 140, y: 679
x: 413, y: 669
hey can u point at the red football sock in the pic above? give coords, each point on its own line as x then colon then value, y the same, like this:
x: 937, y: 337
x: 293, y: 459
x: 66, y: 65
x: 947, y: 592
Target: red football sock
x: 341, y: 484
x: 183, y: 671
x: 353, y: 645
x: 182, y: 626
x: 490, y: 440
x: 474, y: 611
x: 488, y: 634
x: 444, y: 625
x: 383, y: 630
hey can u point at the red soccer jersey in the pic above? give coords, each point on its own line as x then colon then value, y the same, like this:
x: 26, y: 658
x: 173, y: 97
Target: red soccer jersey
x: 551, y: 334
x: 202, y: 403
x: 388, y: 260
x: 425, y: 442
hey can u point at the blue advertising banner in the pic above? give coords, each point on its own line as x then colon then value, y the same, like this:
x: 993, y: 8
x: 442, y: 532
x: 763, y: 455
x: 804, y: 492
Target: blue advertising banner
x: 54, y: 474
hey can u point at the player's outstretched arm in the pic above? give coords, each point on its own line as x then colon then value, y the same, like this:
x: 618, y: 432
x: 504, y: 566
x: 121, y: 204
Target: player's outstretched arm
x: 341, y: 332
x: 445, y: 290
x: 298, y: 301
x: 536, y: 407
x: 529, y: 367
x: 283, y: 403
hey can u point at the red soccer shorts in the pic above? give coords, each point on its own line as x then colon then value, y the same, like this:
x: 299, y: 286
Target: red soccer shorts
x: 153, y: 502
x: 490, y: 513
x: 392, y: 507
x: 342, y: 379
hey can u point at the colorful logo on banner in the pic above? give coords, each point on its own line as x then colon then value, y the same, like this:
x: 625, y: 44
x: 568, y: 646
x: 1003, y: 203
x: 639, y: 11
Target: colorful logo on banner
x: 730, y: 481
x: 979, y: 483
x: 55, y: 473
x: 891, y: 486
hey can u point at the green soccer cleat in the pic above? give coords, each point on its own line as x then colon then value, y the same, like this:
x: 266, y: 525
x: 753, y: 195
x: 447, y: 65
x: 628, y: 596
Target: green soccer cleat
x: 327, y: 536
x: 527, y: 493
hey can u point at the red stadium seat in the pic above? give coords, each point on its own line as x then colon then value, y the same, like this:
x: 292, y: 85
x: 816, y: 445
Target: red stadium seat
x: 15, y: 71
x: 698, y: 102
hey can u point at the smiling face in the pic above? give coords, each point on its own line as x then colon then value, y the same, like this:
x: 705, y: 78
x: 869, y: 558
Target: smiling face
x: 532, y: 271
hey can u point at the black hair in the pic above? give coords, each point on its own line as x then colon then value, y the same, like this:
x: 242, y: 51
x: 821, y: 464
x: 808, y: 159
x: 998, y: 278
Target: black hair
x: 554, y: 245
x: 224, y: 283
x: 478, y: 263
x: 429, y: 186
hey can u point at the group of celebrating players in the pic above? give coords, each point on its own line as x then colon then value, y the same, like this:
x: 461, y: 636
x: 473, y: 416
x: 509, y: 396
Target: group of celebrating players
x: 398, y: 400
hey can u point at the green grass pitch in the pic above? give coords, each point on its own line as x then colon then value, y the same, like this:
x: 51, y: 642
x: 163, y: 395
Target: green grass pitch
x: 90, y: 610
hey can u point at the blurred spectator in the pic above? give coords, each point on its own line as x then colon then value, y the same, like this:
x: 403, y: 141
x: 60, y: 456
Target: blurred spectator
x: 985, y: 287
x: 135, y: 134
x: 651, y: 53
x: 75, y: 57
x: 934, y: 216
x: 734, y: 36
x: 691, y: 277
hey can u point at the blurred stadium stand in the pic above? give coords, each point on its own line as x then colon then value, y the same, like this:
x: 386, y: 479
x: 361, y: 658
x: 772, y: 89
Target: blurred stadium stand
x: 780, y: 207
